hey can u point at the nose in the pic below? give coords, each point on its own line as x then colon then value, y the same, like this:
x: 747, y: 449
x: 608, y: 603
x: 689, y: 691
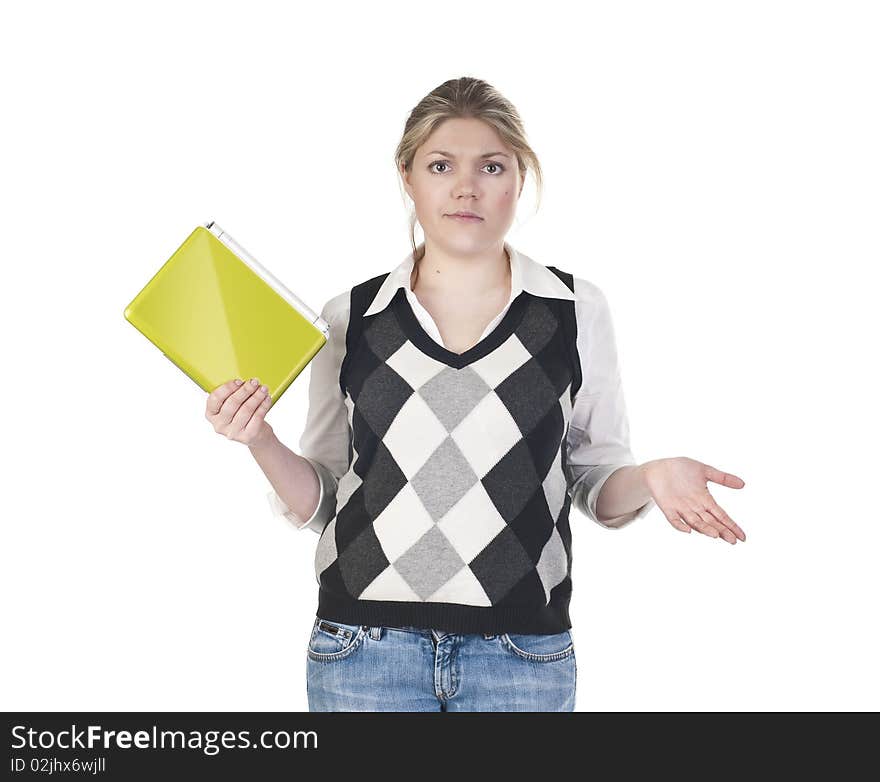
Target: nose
x: 464, y: 186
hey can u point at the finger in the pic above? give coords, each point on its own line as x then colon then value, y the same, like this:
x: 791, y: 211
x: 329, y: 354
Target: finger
x: 253, y: 426
x: 698, y: 524
x: 675, y: 521
x: 724, y: 533
x: 234, y: 401
x: 724, y: 478
x: 219, y: 395
x: 719, y: 513
x: 246, y: 409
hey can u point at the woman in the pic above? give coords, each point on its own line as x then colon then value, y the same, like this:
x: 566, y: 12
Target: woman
x: 464, y: 402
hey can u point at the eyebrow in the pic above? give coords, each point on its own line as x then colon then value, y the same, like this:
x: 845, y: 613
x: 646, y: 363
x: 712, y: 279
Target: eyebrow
x: 449, y: 154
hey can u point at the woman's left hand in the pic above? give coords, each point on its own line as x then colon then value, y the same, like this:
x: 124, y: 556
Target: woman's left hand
x: 678, y: 486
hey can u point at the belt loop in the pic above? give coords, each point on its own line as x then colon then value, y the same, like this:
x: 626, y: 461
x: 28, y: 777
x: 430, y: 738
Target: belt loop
x: 375, y: 633
x: 488, y: 636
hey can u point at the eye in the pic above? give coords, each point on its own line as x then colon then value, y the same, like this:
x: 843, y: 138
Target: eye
x: 445, y: 163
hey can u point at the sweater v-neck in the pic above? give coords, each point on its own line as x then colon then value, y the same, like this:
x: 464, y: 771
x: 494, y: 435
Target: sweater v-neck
x: 416, y: 333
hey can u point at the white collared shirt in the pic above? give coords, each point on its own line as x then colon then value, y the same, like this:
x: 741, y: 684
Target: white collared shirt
x: 598, y: 435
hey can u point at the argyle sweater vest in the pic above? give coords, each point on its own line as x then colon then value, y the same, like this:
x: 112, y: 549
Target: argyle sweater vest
x: 454, y: 511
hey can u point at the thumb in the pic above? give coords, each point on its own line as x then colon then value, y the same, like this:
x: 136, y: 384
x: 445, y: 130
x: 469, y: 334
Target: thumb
x: 724, y: 478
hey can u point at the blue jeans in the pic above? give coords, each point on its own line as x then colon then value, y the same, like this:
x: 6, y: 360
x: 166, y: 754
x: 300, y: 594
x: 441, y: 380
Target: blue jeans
x: 362, y: 668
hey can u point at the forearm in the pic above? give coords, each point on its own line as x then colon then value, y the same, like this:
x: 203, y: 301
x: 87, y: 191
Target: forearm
x: 292, y: 477
x: 623, y: 492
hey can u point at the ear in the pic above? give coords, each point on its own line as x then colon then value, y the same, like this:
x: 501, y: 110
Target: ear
x: 405, y: 177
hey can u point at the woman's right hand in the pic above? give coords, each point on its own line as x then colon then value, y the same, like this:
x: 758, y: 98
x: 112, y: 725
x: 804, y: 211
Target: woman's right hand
x: 237, y: 411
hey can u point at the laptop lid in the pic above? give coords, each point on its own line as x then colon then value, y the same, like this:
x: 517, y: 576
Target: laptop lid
x: 218, y: 314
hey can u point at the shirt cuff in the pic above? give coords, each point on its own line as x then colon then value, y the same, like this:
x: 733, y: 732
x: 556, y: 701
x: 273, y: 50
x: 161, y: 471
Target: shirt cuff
x: 326, y: 502
x: 604, y: 473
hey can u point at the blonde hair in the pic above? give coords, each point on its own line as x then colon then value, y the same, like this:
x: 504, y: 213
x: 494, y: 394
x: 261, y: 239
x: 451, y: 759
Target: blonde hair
x: 464, y: 98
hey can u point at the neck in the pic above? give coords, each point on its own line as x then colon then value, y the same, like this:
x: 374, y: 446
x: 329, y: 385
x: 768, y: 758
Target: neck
x: 471, y: 277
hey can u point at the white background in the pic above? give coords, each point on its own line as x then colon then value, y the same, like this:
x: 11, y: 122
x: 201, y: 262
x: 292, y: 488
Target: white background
x: 713, y: 167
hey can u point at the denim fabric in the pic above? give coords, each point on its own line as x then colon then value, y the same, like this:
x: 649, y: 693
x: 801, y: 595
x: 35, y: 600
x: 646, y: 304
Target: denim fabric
x: 362, y: 668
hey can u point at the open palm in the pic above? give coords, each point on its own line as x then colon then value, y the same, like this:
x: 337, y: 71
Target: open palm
x: 678, y: 486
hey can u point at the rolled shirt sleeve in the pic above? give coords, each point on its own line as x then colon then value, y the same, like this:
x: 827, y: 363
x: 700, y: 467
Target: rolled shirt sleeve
x: 326, y: 502
x: 597, y: 442
x: 326, y: 439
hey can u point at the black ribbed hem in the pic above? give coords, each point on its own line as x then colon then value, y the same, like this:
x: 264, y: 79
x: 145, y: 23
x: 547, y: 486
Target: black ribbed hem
x: 450, y: 617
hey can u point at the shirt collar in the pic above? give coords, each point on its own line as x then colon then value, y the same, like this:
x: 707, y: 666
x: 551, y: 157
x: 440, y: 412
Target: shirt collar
x: 525, y: 275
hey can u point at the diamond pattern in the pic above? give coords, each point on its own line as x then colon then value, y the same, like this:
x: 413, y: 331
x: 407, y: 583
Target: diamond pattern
x: 487, y: 434
x: 456, y: 491
x: 444, y: 479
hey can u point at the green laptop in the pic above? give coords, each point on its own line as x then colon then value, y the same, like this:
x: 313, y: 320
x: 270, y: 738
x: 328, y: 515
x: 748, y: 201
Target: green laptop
x: 218, y: 314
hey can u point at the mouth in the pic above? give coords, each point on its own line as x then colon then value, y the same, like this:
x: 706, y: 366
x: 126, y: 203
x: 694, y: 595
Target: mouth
x: 465, y: 216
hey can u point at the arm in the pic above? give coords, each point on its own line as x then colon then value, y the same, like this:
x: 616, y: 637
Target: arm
x: 605, y: 482
x: 622, y: 495
x: 304, y: 485
x: 303, y: 481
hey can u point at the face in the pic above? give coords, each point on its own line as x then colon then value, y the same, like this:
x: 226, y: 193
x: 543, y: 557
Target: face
x: 451, y: 172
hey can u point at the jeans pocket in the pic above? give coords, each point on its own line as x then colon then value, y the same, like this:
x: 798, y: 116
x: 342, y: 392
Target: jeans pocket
x: 332, y: 640
x: 540, y: 647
